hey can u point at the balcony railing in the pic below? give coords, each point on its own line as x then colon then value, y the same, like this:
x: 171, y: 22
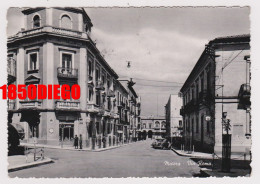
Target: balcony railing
x: 93, y: 108
x: 70, y: 105
x: 67, y: 72
x: 30, y: 104
x: 66, y: 32
x: 110, y: 93
x: 99, y: 85
x: 50, y: 29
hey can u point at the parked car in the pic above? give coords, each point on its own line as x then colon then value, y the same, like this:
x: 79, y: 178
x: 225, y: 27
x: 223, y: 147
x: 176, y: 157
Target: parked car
x: 160, y: 143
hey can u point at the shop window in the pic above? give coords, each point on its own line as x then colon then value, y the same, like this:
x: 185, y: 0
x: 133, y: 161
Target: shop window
x: 66, y: 131
x: 34, y: 131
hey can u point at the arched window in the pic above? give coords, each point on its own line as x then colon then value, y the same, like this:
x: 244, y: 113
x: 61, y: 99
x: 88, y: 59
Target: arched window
x: 157, y: 124
x: 163, y: 124
x: 66, y: 22
x: 36, y: 21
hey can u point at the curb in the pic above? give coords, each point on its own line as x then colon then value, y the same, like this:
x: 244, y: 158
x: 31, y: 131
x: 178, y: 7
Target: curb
x: 187, y: 155
x: 25, y: 166
x: 204, y: 173
x: 96, y: 150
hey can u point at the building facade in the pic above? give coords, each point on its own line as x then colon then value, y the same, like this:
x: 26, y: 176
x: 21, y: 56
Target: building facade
x: 174, y: 125
x: 153, y: 127
x: 218, y: 87
x: 55, y: 47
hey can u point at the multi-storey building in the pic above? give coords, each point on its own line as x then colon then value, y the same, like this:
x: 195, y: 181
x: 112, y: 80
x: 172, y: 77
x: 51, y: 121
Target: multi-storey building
x: 218, y: 86
x: 131, y: 109
x: 152, y: 127
x: 55, y: 47
x: 173, y: 118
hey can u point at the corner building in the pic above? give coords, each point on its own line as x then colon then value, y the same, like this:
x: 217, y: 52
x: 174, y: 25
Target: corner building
x: 55, y: 47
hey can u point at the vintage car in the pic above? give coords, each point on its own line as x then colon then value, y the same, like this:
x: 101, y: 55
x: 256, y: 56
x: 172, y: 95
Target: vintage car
x: 160, y: 143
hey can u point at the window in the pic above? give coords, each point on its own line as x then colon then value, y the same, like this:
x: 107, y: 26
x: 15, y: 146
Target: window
x: 157, y: 124
x: 33, y: 63
x: 163, y: 125
x: 197, y: 90
x: 144, y: 125
x: 150, y: 125
x: 90, y: 95
x: 202, y: 83
x: 98, y: 98
x: 36, y: 21
x: 66, y: 22
x: 197, y: 124
x: 66, y: 60
x: 180, y: 123
x: 208, y: 81
x: 108, y: 82
x: 90, y: 66
x: 97, y: 74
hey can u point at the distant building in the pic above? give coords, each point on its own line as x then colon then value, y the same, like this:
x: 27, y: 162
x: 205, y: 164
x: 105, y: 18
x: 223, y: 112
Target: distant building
x: 153, y: 127
x: 219, y: 86
x: 174, y: 126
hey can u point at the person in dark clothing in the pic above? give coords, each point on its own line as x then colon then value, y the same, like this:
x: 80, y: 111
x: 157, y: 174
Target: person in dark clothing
x: 80, y: 141
x: 76, y: 142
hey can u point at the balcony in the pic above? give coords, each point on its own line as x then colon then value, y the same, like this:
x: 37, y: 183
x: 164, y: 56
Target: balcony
x: 11, y: 105
x: 93, y: 108
x: 107, y: 113
x: 34, y: 104
x: 70, y: 73
x: 191, y: 106
x: 67, y: 105
x: 244, y: 96
x: 110, y: 93
x: 205, y: 96
x: 99, y: 85
x: 90, y: 81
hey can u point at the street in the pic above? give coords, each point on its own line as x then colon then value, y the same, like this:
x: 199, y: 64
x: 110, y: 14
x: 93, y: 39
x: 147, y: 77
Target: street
x: 133, y: 160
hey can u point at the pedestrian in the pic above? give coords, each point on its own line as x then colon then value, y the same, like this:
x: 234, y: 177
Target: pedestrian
x: 76, y: 142
x: 80, y: 141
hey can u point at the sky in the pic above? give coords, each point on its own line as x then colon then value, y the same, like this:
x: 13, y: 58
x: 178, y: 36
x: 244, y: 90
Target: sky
x: 162, y: 44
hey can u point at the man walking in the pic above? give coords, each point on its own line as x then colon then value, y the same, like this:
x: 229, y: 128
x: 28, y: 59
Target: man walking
x: 76, y: 142
x: 80, y: 141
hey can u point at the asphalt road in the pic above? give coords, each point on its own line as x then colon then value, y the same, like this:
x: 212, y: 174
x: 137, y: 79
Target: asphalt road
x: 134, y: 160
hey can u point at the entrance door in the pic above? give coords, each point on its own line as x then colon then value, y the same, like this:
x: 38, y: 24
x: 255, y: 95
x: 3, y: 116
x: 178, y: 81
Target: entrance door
x: 66, y: 132
x: 202, y: 130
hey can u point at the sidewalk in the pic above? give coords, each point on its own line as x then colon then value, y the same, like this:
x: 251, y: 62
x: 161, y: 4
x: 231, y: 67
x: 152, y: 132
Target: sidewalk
x: 239, y: 166
x: 67, y: 147
x: 206, y: 155
x: 18, y: 162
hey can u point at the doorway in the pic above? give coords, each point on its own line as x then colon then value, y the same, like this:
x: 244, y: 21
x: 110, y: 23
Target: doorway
x: 66, y: 132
